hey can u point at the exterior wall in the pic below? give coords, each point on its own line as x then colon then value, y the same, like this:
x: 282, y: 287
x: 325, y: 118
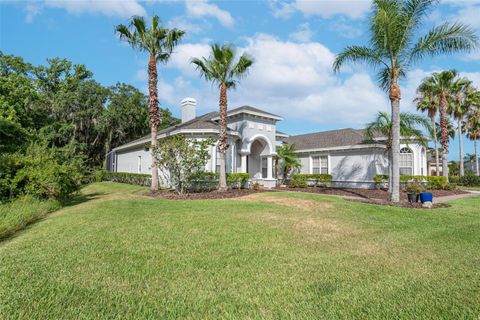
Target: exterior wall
x: 128, y: 161
x: 249, y: 127
x: 350, y: 168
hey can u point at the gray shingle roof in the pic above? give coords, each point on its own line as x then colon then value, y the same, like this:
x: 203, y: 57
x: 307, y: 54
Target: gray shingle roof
x: 252, y: 109
x: 327, y: 139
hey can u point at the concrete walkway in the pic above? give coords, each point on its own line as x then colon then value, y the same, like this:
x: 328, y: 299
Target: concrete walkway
x: 456, y: 196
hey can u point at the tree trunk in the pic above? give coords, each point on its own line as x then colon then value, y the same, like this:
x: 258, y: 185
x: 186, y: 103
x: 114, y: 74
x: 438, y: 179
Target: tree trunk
x: 154, y: 119
x: 477, y: 169
x: 435, y: 143
x: 444, y: 131
x: 395, y: 105
x: 223, y: 140
x: 390, y: 170
x: 460, y: 148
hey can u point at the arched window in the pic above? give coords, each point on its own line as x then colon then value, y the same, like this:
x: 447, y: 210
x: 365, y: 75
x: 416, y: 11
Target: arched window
x: 406, y: 161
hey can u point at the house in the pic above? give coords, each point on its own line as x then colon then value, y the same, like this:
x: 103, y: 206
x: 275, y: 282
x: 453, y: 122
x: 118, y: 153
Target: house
x: 253, y: 137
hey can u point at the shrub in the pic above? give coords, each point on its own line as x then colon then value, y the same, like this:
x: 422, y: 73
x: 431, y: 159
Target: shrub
x: 100, y: 175
x: 470, y: 181
x: 305, y: 180
x: 237, y: 180
x: 381, y: 180
x: 208, y: 181
x: 131, y: 178
x: 430, y: 182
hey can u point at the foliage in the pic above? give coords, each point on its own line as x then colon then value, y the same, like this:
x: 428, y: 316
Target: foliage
x: 46, y: 173
x: 130, y: 178
x: 431, y: 182
x: 469, y: 181
x: 286, y: 161
x: 305, y: 180
x: 410, y: 128
x: 380, y: 180
x: 19, y: 213
x: 224, y: 69
x: 414, y: 187
x: 180, y: 158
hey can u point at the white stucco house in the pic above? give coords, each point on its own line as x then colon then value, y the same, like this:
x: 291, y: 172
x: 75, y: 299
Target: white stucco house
x: 253, y: 137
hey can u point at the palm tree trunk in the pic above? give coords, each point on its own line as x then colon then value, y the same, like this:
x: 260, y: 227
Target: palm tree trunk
x: 222, y: 140
x: 444, y: 136
x: 395, y: 105
x: 435, y: 143
x: 154, y: 119
x: 460, y: 147
x: 476, y: 157
x: 390, y: 170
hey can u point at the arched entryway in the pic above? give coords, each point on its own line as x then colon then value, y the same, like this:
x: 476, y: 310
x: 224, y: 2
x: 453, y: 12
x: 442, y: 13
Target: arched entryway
x: 257, y: 157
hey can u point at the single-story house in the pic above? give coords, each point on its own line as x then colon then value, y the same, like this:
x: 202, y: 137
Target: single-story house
x: 253, y: 137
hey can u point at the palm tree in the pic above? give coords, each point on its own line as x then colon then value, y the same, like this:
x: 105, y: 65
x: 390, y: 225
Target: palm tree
x: 458, y: 108
x: 410, y: 125
x: 428, y: 102
x: 442, y: 84
x: 472, y: 124
x: 159, y: 43
x: 222, y: 69
x: 286, y: 158
x: 395, y: 47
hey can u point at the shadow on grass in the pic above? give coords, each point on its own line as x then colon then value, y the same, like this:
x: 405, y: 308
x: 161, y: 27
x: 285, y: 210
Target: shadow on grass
x: 81, y: 198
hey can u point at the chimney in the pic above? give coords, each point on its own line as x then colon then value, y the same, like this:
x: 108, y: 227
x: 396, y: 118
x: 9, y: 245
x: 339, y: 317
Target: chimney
x: 189, y: 106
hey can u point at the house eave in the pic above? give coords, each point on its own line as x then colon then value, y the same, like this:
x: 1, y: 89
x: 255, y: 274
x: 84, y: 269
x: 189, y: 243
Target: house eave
x: 342, y: 148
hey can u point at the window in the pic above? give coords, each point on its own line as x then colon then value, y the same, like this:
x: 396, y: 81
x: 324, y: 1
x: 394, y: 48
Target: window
x: 319, y: 164
x: 260, y: 127
x: 251, y: 125
x: 406, y: 162
x: 264, y: 167
x: 269, y: 128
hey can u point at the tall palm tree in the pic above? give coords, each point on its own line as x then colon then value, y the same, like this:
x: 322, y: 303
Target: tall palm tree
x: 458, y: 108
x: 287, y: 159
x: 443, y: 86
x: 410, y: 130
x: 159, y: 43
x: 428, y: 102
x: 395, y: 46
x: 472, y: 125
x: 223, y: 69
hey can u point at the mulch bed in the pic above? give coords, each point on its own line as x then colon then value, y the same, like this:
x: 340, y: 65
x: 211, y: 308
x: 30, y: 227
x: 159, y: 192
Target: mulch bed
x: 375, y: 196
x: 232, y: 193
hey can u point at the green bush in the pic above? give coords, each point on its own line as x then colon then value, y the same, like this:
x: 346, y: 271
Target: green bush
x: 131, y: 178
x: 429, y: 182
x: 100, y: 175
x: 469, y: 181
x: 381, y: 180
x: 208, y: 181
x: 305, y: 180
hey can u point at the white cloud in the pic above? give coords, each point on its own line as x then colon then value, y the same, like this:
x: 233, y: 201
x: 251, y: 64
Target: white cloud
x: 346, y: 28
x: 32, y: 10
x: 354, y: 9
x: 182, y: 23
x: 123, y: 9
x: 201, y: 8
x: 303, y: 34
x: 294, y: 80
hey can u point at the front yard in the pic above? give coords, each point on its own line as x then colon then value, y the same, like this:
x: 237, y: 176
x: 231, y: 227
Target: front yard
x: 115, y: 253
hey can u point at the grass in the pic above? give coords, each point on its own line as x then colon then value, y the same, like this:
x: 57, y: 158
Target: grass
x: 16, y: 215
x: 116, y: 254
x: 471, y: 188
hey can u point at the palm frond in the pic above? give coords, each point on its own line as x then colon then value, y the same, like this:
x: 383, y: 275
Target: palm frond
x: 445, y: 39
x: 358, y: 54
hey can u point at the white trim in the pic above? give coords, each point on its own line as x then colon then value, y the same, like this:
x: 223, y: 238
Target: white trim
x: 249, y: 141
x: 180, y: 131
x: 366, y: 146
x: 319, y: 155
x: 258, y: 114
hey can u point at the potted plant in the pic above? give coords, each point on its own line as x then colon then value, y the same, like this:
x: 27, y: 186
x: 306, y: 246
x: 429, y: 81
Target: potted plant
x: 413, y: 191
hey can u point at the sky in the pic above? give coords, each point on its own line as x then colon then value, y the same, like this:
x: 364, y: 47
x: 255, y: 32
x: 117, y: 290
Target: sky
x: 293, y: 43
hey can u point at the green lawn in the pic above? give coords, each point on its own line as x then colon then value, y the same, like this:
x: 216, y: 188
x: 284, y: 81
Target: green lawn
x: 115, y: 254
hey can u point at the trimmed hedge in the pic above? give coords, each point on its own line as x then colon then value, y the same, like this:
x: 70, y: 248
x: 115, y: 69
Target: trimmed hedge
x: 207, y: 181
x: 124, y: 177
x: 469, y: 181
x: 430, y: 182
x: 305, y: 180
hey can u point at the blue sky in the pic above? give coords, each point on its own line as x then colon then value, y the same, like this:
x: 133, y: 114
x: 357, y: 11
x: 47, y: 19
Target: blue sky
x: 293, y: 43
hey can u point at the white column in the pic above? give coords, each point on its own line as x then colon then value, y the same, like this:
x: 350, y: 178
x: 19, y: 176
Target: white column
x: 243, y: 168
x: 269, y: 167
